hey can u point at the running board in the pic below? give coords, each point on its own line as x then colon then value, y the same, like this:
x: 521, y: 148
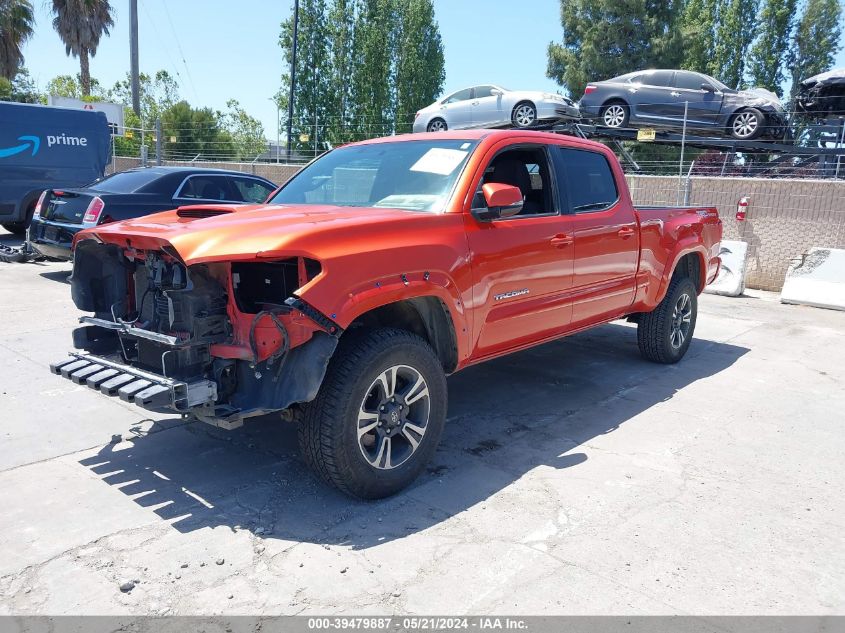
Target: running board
x: 146, y: 389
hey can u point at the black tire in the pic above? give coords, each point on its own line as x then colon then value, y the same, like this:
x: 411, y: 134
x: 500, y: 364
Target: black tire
x: 747, y: 124
x: 436, y: 125
x: 656, y: 331
x: 615, y: 115
x: 19, y: 228
x: 328, y: 437
x: 524, y: 115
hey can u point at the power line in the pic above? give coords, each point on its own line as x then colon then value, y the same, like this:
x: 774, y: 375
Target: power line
x: 179, y: 47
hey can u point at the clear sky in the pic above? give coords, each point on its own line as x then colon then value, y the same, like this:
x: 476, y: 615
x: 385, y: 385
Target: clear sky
x: 219, y: 49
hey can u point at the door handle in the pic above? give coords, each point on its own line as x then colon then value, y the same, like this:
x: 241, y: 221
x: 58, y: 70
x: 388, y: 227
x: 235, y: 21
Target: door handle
x: 561, y: 240
x: 625, y: 233
x: 475, y: 103
x: 675, y: 94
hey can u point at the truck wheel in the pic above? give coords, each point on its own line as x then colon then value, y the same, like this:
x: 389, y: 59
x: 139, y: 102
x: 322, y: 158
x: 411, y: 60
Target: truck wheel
x: 19, y: 228
x: 377, y: 419
x: 665, y: 333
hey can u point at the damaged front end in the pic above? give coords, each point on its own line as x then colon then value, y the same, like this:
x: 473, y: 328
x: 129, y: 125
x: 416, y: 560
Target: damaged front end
x: 220, y: 341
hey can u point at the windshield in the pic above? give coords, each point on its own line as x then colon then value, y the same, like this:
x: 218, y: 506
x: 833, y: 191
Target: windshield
x: 413, y: 175
x: 125, y: 182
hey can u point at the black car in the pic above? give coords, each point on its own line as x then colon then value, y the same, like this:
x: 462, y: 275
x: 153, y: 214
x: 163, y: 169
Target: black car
x: 61, y: 213
x: 658, y: 98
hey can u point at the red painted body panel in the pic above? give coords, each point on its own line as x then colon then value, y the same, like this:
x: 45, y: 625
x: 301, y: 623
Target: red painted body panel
x: 507, y: 284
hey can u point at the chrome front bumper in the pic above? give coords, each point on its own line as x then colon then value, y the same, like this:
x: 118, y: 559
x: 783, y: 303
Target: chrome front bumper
x: 146, y: 389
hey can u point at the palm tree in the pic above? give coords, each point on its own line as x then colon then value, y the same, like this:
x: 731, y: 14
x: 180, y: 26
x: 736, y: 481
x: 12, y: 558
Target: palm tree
x: 16, y: 24
x: 80, y: 24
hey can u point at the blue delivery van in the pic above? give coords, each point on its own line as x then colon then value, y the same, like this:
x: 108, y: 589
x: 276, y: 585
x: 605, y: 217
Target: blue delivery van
x: 43, y: 147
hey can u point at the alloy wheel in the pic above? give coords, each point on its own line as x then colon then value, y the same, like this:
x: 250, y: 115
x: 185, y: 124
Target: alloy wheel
x: 524, y: 115
x: 745, y: 124
x: 681, y: 321
x: 437, y: 126
x: 614, y: 115
x: 393, y: 417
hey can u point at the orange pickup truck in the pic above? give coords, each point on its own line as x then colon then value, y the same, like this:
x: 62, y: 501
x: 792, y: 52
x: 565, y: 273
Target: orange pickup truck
x: 373, y: 273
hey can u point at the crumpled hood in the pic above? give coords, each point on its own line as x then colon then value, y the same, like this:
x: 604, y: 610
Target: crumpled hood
x: 761, y: 96
x: 243, y: 232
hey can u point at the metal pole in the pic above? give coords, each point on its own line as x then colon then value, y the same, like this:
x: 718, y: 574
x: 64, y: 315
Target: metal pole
x: 278, y: 130
x: 292, y: 73
x: 158, y: 142
x: 841, y: 142
x: 133, y: 56
x: 113, y: 152
x: 683, y: 145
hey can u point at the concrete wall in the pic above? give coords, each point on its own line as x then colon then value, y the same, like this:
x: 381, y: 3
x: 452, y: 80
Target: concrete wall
x: 785, y: 217
x: 278, y: 173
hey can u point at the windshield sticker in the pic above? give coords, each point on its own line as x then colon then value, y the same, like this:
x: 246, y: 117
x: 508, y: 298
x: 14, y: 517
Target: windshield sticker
x: 439, y: 161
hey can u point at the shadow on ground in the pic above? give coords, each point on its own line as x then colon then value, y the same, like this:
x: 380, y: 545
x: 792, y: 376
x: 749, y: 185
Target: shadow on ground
x: 564, y: 393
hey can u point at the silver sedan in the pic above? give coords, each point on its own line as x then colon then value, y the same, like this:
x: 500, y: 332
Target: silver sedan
x: 493, y: 106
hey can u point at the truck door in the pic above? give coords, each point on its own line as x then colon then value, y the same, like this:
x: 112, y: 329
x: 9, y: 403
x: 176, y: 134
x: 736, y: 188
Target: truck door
x: 522, y: 265
x: 606, y: 233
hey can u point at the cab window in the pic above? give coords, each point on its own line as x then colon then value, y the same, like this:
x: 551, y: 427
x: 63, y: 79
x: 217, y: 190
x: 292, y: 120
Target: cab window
x: 585, y: 180
x: 526, y: 168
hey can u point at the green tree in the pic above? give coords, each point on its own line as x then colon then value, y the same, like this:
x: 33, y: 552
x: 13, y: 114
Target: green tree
x: 81, y: 24
x: 699, y: 34
x: 194, y: 133
x: 363, y: 68
x: 16, y: 25
x: 769, y: 52
x: 340, y: 108
x: 734, y: 35
x: 21, y: 89
x: 157, y: 93
x: 605, y: 38
x: 71, y: 87
x: 817, y: 40
x: 420, y: 70
x: 312, y: 72
x: 246, y: 132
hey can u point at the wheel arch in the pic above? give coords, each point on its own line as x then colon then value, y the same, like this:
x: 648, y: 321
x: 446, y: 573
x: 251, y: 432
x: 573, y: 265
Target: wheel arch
x: 426, y: 316
x: 436, y: 117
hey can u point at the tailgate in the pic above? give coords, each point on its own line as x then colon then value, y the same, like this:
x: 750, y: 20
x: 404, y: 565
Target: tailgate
x: 65, y: 206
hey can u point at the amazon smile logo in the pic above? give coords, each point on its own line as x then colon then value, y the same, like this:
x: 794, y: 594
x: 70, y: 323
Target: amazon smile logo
x: 29, y: 142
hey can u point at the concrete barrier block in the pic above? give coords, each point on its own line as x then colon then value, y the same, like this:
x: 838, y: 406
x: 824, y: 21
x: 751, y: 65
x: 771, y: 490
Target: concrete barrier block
x: 817, y: 279
x: 731, y: 279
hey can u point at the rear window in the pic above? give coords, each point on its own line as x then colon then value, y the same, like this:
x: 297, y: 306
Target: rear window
x: 587, y: 180
x: 125, y: 181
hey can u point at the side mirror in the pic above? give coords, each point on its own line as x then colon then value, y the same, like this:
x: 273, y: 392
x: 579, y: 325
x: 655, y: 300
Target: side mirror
x: 707, y: 87
x: 503, y: 201
x: 496, y: 92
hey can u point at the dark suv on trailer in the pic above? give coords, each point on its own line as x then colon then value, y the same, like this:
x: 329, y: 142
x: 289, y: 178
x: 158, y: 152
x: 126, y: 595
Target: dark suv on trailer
x: 658, y: 98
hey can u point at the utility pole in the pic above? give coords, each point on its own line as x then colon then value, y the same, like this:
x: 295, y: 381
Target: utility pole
x: 133, y: 56
x: 292, y: 73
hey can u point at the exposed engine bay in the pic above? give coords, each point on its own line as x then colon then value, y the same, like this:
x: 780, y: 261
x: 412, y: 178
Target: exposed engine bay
x: 218, y: 341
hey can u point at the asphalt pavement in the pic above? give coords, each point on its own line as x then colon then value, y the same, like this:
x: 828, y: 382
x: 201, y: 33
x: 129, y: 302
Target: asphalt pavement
x: 572, y: 478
